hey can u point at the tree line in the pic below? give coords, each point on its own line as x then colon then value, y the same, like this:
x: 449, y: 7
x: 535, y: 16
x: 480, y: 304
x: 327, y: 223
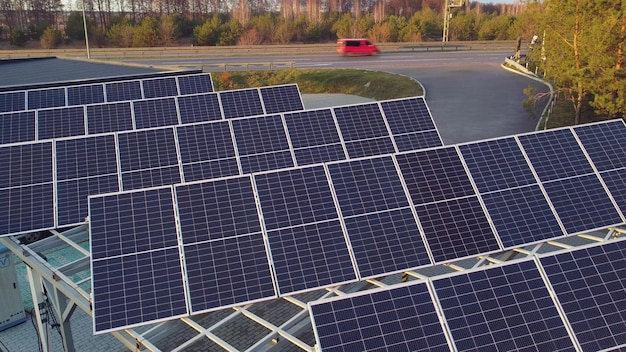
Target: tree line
x: 248, y: 22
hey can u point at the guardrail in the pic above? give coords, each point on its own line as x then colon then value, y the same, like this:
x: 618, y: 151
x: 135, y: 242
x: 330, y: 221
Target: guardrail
x: 248, y: 65
x: 245, y: 50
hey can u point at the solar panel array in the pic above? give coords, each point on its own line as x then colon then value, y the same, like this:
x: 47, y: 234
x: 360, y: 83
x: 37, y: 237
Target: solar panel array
x: 140, y: 113
x: 507, y: 307
x: 346, y: 220
x: 118, y: 161
x: 93, y: 93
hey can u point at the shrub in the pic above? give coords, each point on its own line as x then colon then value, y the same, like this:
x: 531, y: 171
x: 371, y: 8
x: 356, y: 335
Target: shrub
x: 18, y: 38
x: 51, y: 38
x: 121, y: 35
x: 147, y: 33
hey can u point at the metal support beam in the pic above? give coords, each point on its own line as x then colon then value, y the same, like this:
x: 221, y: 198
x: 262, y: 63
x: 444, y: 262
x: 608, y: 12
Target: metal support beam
x: 36, y: 289
x: 60, y: 305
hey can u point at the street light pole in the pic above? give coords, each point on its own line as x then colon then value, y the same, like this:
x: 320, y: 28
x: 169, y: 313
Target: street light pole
x: 85, y: 27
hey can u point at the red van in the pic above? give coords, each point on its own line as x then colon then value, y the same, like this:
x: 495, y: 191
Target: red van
x: 358, y: 46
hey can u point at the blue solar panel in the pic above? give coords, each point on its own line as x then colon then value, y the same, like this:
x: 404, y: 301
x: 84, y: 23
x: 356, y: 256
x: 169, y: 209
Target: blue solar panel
x: 456, y: 228
x: 314, y: 136
x: 386, y: 242
x: 72, y: 197
x: 12, y: 101
x: 136, y: 289
x: 84, y: 167
x: 590, y: 284
x: 217, y: 209
x: 137, y: 276
x: 363, y: 130
x: 615, y: 181
x: 159, y: 87
x: 148, y: 158
x: 605, y: 143
x: 61, y: 122
x: 582, y: 204
x: 25, y: 164
x: 46, y: 98
x: 240, y: 103
x: 26, y: 188
x: 417, y: 141
x: 193, y: 84
x: 132, y: 222
x: 555, y: 154
x: 26, y: 209
x: 308, y: 246
x: 295, y: 197
x: 281, y: 99
x: 521, y: 216
x: 411, y: 124
x: 229, y: 271
x: 497, y: 164
x: 434, y: 175
x: 155, y: 113
x: 262, y: 144
x: 125, y: 90
x: 17, y: 127
x: 399, y: 319
x: 310, y: 256
x: 88, y: 94
x: 504, y: 308
x: 207, y: 151
x: 369, y: 185
x: 199, y: 108
x: 110, y: 117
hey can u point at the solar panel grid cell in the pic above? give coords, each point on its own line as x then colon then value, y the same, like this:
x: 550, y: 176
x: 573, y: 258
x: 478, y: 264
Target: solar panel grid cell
x: 434, y: 175
x: 61, y: 122
x: 502, y: 308
x: 199, y: 108
x: 456, y: 228
x: 192, y: 84
x: 590, y: 285
x: 109, y: 117
x: 148, y: 158
x: 605, y: 144
x: 582, y: 203
x: 86, y: 94
x: 206, y: 151
x: 497, y: 164
x: 46, y: 98
x: 521, y: 216
x: 411, y: 124
x: 12, y: 101
x: 615, y: 181
x: 364, y: 131
x: 262, y: 144
x: 555, y: 154
x: 26, y: 164
x: 241, y: 103
x: 281, y: 99
x: 314, y: 136
x: 159, y: 87
x: 17, y: 127
x: 124, y: 90
x: 399, y: 319
x: 155, y: 113
x: 228, y: 271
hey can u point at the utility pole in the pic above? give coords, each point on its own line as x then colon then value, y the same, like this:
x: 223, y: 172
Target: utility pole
x: 86, y: 34
x: 447, y: 16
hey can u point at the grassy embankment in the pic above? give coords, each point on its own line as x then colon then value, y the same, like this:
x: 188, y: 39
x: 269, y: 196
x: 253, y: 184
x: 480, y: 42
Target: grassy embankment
x: 369, y: 84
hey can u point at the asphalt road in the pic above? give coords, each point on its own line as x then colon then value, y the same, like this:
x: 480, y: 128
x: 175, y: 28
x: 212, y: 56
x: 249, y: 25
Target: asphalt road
x: 471, y: 97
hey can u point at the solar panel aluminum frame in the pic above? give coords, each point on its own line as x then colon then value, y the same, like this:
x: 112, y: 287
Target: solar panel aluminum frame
x: 594, y: 172
x: 180, y: 255
x: 410, y: 206
x: 536, y: 264
x: 339, y: 218
x: 429, y: 288
x: 621, y: 241
x: 475, y: 194
x: 262, y: 233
